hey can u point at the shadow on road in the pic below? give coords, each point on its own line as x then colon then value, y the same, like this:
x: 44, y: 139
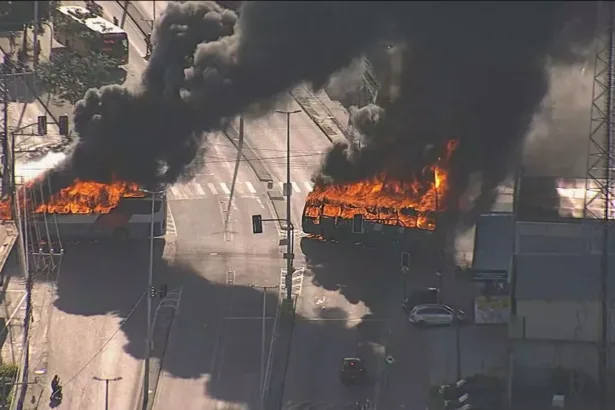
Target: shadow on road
x: 98, y: 279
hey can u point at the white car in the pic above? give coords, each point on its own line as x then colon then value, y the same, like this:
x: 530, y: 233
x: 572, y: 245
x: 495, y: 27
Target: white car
x: 435, y: 314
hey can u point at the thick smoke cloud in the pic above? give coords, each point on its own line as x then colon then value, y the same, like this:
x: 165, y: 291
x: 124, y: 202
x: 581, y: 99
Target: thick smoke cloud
x: 473, y: 71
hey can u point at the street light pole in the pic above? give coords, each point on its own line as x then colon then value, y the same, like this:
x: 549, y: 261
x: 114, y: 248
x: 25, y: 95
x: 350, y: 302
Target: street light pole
x: 288, y: 189
x: 115, y: 379
x: 150, y: 284
x: 458, y: 346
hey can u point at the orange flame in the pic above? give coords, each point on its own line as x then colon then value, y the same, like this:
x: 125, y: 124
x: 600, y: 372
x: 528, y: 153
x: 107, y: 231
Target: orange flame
x: 82, y: 197
x: 391, y: 202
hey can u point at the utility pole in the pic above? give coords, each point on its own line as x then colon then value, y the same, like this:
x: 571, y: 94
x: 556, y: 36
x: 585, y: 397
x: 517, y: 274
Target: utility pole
x: 35, y: 45
x: 100, y: 379
x: 5, y: 136
x: 600, y: 180
x: 150, y: 285
x: 288, y: 190
x: 7, y: 381
x: 239, y: 152
x: 154, y: 13
x: 263, y: 337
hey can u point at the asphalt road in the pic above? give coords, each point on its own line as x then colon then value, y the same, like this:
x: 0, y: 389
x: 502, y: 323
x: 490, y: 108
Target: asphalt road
x: 349, y: 303
x: 214, y: 353
x: 97, y: 289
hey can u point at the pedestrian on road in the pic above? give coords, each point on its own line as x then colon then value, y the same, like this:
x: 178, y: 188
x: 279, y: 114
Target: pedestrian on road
x: 115, y: 21
x: 37, y: 50
x: 12, y: 41
x: 21, y: 60
x: 148, y: 45
x: 55, y: 383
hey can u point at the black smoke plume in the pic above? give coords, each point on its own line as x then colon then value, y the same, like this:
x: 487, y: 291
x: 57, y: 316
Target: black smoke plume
x: 473, y: 71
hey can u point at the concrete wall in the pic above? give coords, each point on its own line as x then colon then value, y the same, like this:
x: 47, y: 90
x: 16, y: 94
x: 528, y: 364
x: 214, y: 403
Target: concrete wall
x: 560, y: 320
x: 535, y: 360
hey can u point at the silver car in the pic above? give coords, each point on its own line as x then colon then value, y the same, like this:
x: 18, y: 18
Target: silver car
x: 434, y: 314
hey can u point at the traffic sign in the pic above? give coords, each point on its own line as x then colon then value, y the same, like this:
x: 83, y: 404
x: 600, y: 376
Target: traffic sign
x: 390, y: 360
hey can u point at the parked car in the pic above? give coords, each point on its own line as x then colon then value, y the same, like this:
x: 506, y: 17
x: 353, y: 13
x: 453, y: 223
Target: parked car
x: 435, y: 314
x: 421, y: 297
x: 353, y: 370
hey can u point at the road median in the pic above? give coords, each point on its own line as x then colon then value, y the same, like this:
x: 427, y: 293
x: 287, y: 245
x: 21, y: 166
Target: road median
x: 274, y: 391
x: 163, y: 323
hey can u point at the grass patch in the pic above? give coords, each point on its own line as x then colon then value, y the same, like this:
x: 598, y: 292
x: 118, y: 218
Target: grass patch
x: 8, y: 374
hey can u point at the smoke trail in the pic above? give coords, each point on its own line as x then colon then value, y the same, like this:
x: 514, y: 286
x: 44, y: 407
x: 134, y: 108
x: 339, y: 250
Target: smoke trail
x: 473, y: 71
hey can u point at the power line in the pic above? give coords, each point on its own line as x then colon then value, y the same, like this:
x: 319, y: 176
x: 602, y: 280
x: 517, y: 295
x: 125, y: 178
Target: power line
x: 108, y: 340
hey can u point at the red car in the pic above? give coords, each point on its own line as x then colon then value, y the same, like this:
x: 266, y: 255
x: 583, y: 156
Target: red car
x: 353, y: 370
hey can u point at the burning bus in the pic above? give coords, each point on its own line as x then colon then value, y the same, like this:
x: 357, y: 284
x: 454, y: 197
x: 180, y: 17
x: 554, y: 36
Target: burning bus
x: 91, y: 210
x: 391, y: 210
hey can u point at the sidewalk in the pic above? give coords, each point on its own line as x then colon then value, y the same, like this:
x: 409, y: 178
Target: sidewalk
x: 24, y: 108
x: 331, y: 117
x: 13, y: 313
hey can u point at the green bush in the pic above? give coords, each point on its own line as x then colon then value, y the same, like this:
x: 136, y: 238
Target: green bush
x: 8, y: 370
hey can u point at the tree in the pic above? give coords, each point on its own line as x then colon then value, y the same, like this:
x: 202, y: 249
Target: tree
x: 69, y: 76
x: 14, y: 15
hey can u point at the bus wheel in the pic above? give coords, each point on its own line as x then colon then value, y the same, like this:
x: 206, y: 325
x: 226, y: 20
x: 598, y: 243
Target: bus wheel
x: 120, y: 235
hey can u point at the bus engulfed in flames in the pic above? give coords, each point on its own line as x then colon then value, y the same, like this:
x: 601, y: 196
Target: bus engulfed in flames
x: 381, y: 201
x: 82, y: 197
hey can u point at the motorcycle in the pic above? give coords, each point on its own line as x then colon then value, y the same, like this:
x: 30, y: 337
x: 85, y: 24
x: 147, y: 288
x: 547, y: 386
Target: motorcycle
x: 56, y: 398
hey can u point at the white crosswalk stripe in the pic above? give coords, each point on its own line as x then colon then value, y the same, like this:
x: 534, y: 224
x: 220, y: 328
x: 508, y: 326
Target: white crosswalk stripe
x: 195, y: 190
x: 212, y: 188
x: 250, y: 187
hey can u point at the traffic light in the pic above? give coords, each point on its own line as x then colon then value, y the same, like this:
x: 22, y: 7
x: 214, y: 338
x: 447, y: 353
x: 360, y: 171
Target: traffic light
x: 63, y: 124
x: 163, y: 291
x: 357, y: 223
x: 152, y: 292
x: 257, y: 224
x: 405, y: 260
x: 42, y: 125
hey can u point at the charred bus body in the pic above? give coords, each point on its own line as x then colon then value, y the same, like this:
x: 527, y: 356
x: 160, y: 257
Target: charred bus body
x: 381, y: 226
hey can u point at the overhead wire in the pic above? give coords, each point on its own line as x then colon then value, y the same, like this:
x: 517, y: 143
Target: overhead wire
x: 107, y: 341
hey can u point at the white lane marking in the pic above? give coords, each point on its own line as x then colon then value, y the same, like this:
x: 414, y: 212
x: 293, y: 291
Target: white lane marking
x: 225, y: 188
x: 198, y: 189
x: 188, y: 190
x: 171, y: 227
x: 212, y: 188
x: 176, y: 192
x: 309, y: 186
x: 295, y: 187
x: 251, y: 187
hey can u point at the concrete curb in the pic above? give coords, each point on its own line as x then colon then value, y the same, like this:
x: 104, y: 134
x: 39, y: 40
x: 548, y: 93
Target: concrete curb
x: 303, y: 98
x: 156, y: 368
x: 274, y: 394
x: 157, y: 359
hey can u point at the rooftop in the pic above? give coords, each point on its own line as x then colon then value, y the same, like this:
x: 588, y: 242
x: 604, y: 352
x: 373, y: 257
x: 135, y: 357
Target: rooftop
x: 95, y: 23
